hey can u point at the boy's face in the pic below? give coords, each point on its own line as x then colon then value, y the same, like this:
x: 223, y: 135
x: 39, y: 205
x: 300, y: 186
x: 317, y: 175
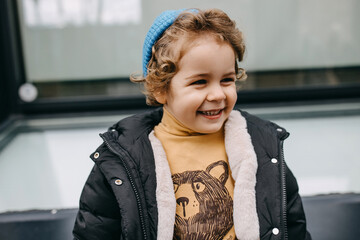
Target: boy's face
x: 203, y: 93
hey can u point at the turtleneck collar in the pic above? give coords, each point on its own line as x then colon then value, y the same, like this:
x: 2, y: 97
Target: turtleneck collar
x: 173, y: 126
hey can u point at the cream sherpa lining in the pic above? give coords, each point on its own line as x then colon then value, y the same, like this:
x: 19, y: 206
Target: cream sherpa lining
x: 243, y: 164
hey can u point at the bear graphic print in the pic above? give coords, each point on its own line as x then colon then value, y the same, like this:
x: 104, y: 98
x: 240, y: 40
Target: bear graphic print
x: 204, y: 206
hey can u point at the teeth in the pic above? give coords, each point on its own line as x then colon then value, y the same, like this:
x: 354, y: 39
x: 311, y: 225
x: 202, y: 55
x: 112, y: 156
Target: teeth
x: 211, y: 113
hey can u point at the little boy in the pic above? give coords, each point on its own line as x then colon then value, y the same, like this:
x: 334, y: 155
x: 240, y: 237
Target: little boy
x: 195, y: 168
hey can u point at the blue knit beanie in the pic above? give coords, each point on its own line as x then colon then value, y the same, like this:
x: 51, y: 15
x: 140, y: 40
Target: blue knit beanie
x: 161, y: 23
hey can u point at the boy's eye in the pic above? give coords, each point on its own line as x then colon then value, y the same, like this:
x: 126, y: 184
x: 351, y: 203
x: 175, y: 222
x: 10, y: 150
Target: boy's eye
x: 199, y: 82
x: 228, y: 80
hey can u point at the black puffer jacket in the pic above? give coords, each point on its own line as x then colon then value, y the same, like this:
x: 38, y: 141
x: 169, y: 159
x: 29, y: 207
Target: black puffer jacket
x: 119, y: 198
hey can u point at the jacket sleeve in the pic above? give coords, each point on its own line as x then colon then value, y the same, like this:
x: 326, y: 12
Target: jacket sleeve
x: 99, y: 215
x: 296, y: 221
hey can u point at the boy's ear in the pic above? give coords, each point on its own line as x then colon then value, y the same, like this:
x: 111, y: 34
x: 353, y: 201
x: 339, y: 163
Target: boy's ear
x: 160, y: 97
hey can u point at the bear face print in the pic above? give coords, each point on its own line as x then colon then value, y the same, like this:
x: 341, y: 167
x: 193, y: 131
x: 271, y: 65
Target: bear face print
x: 204, y: 205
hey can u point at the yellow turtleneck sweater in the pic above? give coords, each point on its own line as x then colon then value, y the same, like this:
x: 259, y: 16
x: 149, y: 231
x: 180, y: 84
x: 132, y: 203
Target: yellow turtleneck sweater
x: 202, y: 180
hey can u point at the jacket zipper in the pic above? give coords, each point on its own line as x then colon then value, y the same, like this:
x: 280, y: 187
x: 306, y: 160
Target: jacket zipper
x: 283, y: 186
x: 132, y: 185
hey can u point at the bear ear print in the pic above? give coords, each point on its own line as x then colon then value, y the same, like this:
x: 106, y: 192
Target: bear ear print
x: 213, y: 170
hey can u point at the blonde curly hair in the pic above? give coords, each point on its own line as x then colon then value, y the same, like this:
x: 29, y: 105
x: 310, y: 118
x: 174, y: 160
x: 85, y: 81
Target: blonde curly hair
x: 173, y: 44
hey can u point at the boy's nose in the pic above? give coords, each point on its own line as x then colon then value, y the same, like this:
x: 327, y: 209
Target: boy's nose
x: 216, y: 93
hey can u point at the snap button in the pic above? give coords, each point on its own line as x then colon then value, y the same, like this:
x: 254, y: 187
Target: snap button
x: 279, y: 130
x: 96, y: 155
x: 274, y: 160
x: 275, y: 231
x: 118, y: 182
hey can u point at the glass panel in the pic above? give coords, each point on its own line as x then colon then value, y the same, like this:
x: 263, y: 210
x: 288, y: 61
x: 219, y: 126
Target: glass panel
x: 89, y: 47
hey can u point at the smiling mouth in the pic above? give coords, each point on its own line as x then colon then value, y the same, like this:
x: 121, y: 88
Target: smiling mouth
x: 211, y: 113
